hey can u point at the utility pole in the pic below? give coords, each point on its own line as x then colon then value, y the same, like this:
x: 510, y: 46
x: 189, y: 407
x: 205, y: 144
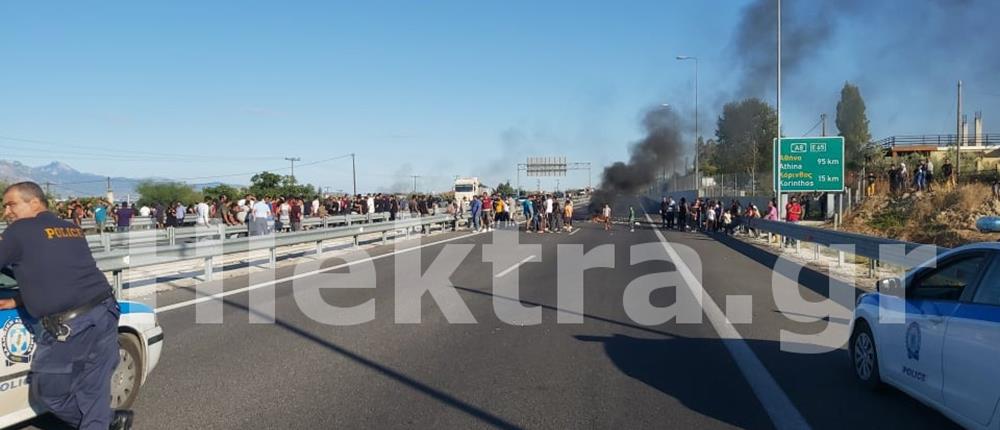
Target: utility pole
x: 293, y: 160
x: 415, y: 183
x: 354, y: 174
x: 48, y: 192
x: 958, y: 136
x: 822, y: 119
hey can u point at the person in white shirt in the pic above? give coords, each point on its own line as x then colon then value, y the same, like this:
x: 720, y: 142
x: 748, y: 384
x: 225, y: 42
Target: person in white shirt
x: 549, y: 216
x: 261, y: 211
x: 144, y: 211
x: 285, y: 215
x: 202, y: 213
x: 315, y: 207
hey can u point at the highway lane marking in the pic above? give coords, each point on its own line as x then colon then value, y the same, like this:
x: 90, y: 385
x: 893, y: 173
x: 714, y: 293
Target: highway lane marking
x: 223, y: 294
x: 514, y: 267
x: 574, y: 232
x: 779, y: 407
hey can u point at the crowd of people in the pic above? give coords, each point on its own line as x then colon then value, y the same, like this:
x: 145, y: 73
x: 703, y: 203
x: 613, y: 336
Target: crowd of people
x: 709, y: 215
x: 539, y: 213
x: 901, y: 178
x: 279, y: 213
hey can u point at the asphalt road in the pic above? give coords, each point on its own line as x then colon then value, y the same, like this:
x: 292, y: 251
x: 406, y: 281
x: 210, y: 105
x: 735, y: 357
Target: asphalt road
x: 606, y: 372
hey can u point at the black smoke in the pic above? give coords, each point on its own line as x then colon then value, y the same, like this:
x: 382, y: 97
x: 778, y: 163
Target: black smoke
x: 806, y: 28
x: 661, y: 148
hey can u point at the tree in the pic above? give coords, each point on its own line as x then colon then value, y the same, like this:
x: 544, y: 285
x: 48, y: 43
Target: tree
x: 745, y: 133
x: 706, y: 157
x: 275, y: 185
x: 166, y: 193
x: 504, y: 189
x: 853, y: 125
x: 232, y: 193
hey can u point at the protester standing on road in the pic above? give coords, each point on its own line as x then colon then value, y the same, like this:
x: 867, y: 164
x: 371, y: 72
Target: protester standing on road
x: 606, y: 213
x: 682, y: 214
x: 475, y: 209
x: 123, y: 217
x: 664, y: 209
x: 568, y: 215
x: 295, y: 214
x: 74, y: 313
x: 100, y: 216
x: 631, y: 218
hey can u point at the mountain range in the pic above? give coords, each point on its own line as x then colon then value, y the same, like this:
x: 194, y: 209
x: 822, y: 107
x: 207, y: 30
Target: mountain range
x: 65, y: 182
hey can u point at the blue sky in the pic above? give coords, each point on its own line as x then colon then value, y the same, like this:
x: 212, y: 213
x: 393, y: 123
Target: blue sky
x: 434, y: 89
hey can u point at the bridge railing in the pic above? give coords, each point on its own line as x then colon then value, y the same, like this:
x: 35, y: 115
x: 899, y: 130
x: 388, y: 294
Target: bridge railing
x: 213, y: 248
x: 171, y: 235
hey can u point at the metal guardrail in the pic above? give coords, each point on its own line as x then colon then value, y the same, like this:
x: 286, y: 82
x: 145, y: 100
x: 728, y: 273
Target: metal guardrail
x: 211, y: 250
x: 937, y: 140
x: 171, y: 235
x: 875, y: 249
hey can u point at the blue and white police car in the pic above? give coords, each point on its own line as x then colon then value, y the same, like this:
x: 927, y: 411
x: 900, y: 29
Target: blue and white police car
x: 935, y: 335
x: 140, y: 341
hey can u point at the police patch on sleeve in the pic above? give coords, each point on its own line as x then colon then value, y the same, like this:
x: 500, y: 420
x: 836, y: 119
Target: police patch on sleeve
x: 16, y: 342
x: 913, y: 341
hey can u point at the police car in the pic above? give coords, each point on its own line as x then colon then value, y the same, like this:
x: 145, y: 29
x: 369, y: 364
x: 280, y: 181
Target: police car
x: 140, y: 340
x: 935, y: 335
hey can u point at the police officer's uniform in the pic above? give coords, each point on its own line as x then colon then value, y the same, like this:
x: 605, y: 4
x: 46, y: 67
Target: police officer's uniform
x: 74, y: 318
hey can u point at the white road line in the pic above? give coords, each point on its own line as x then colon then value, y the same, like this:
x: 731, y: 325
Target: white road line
x: 574, y: 232
x: 192, y: 302
x: 779, y: 407
x: 514, y: 267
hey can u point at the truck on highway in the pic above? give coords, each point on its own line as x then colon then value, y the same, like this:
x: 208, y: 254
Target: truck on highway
x: 466, y: 188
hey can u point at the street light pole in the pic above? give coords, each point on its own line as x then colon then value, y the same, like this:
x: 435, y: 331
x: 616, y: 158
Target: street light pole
x: 354, y: 175
x: 697, y: 149
x: 777, y: 140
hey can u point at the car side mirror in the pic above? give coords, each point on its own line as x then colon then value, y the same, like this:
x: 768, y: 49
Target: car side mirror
x: 890, y: 286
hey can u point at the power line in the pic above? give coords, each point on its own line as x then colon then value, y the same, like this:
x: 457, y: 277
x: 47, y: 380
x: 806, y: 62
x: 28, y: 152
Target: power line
x: 107, y: 151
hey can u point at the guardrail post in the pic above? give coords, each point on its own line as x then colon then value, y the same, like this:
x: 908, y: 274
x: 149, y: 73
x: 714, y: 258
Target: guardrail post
x: 816, y: 252
x: 347, y: 219
x: 840, y: 258
x: 209, y: 263
x: 106, y: 242
x: 871, y: 267
x: 797, y: 243
x: 222, y: 231
x: 384, y: 236
x: 116, y: 282
x: 319, y: 247
x: 171, y: 236
x: 355, y: 240
x: 272, y: 258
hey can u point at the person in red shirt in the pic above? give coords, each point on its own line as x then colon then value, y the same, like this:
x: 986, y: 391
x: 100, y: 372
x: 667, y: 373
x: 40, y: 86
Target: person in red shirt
x: 793, y: 210
x: 793, y: 213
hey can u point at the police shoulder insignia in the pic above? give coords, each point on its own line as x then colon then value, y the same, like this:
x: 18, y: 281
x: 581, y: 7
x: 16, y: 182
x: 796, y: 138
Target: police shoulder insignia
x: 913, y: 341
x: 16, y: 341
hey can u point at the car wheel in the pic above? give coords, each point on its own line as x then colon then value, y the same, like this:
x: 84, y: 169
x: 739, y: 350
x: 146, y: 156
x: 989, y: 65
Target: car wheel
x: 864, y: 356
x: 127, y: 378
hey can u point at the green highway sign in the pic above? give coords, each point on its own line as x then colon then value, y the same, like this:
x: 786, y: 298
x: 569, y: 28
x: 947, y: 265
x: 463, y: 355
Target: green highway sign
x: 809, y: 164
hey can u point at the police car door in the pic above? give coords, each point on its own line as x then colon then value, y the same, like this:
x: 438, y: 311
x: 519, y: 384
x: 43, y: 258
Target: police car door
x: 912, y: 347
x: 971, y: 350
x: 16, y: 347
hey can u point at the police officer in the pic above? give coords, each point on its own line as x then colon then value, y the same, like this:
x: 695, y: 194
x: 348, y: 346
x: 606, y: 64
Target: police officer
x: 75, y: 312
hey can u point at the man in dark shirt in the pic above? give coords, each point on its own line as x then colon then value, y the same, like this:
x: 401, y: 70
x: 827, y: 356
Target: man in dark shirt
x: 124, y: 217
x: 74, y: 316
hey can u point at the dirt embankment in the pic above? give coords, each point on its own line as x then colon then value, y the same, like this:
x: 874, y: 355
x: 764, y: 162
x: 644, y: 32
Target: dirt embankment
x: 940, y: 217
